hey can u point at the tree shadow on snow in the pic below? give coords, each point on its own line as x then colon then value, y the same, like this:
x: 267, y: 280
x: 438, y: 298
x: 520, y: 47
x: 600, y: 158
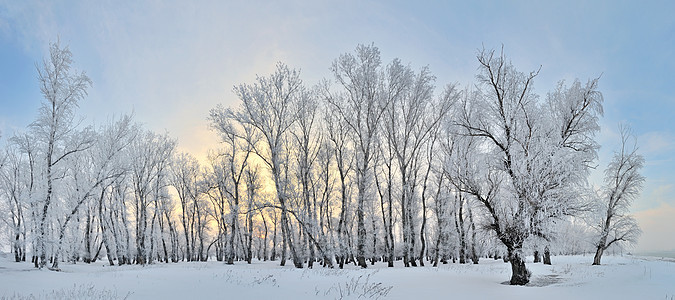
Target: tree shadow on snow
x: 543, y: 280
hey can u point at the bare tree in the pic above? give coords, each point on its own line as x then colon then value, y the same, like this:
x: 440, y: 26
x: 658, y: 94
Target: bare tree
x: 411, y: 120
x: 267, y: 109
x: 185, y: 178
x: 97, y: 168
x: 525, y: 149
x: 385, y: 181
x: 361, y: 107
x: 62, y: 89
x: 307, y: 142
x: 253, y: 187
x: 623, y: 184
x: 113, y: 140
x: 338, y: 135
x: 216, y: 181
x: 15, y: 185
x: 150, y: 154
x: 235, y: 162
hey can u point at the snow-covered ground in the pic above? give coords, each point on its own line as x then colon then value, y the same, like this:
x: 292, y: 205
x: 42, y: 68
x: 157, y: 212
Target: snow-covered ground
x: 570, y: 277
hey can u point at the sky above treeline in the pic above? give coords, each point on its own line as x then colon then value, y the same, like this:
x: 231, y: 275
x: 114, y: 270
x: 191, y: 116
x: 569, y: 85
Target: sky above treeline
x: 169, y: 62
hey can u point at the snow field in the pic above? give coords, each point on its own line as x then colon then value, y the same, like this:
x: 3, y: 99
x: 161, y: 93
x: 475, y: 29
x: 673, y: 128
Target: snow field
x: 570, y: 277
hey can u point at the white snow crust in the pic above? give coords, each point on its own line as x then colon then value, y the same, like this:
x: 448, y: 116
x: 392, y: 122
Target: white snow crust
x: 570, y: 277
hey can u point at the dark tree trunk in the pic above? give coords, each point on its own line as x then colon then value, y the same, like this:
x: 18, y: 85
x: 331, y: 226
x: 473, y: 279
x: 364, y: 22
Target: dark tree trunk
x: 234, y: 225
x: 17, y: 249
x: 387, y: 218
x: 598, y: 255
x: 273, y: 254
x: 537, y: 257
x: 423, y: 242
x: 474, y: 254
x: 249, y: 239
x: 104, y: 235
x: 374, y: 256
x: 288, y: 240
x: 87, y: 238
x: 361, y: 225
x: 438, y: 246
x: 264, y: 248
x: 459, y: 225
x: 519, y: 273
x: 547, y: 256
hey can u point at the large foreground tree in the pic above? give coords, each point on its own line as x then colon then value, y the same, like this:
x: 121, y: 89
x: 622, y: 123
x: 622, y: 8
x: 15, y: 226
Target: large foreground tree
x: 531, y: 157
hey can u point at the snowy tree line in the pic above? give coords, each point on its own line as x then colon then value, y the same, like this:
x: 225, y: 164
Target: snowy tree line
x: 371, y: 165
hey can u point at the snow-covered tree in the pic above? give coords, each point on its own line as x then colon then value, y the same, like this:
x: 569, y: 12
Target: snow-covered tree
x: 55, y: 130
x: 410, y: 119
x: 15, y: 190
x: 534, y: 167
x: 149, y: 158
x: 185, y: 178
x: 496, y: 169
x: 229, y: 171
x: 361, y: 106
x: 307, y: 142
x: 338, y: 136
x: 93, y: 171
x: 623, y: 184
x: 267, y: 108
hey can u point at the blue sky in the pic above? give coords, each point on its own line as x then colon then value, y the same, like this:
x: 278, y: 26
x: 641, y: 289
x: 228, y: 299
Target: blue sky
x: 169, y: 62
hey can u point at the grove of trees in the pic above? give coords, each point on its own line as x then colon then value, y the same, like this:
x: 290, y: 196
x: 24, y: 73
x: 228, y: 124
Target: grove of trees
x: 373, y: 164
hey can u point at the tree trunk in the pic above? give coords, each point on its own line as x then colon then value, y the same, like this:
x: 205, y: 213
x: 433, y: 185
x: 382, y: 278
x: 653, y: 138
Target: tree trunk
x: 17, y: 249
x: 264, y: 247
x: 249, y: 241
x: 188, y: 255
x: 438, y: 246
x: 423, y: 242
x: 273, y: 254
x: 537, y: 257
x: 598, y: 255
x: 104, y: 235
x: 287, y: 234
x: 386, y: 224
x: 519, y: 273
x: 233, y: 228
x: 150, y: 257
x: 474, y: 255
x: 547, y: 256
x: 87, y: 238
x: 141, y: 226
x: 374, y: 257
x: 288, y: 239
x: 361, y: 223
x: 459, y: 224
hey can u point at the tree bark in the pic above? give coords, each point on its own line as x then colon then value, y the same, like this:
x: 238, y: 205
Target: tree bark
x: 459, y: 224
x: 520, y: 274
x: 104, y: 234
x: 423, y: 242
x: 598, y: 255
x: 474, y: 255
x: 361, y: 221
